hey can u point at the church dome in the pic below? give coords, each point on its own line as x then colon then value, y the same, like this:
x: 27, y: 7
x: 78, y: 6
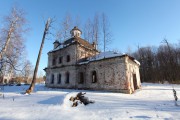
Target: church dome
x: 75, y: 32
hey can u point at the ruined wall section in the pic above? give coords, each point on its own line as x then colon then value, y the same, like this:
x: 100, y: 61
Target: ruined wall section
x: 63, y: 73
x: 76, y: 52
x: 62, y: 67
x: 111, y: 75
x: 132, y: 69
x: 62, y: 53
x: 83, y: 52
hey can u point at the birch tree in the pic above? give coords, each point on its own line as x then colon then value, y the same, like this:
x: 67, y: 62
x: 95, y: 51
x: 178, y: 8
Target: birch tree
x: 13, y: 28
x: 12, y: 42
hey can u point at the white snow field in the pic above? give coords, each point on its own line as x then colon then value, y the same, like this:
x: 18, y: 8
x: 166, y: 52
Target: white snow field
x: 152, y: 102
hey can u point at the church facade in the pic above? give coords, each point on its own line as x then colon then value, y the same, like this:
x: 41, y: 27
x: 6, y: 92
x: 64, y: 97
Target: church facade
x: 77, y: 64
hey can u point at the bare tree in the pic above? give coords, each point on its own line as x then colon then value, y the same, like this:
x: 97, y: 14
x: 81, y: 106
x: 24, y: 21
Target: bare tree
x: 172, y: 59
x: 12, y: 47
x: 96, y: 30
x: 62, y: 33
x: 92, y: 30
x: 106, y: 33
x: 59, y: 36
x: 46, y: 30
x: 66, y: 26
x: 88, y: 31
x: 14, y: 27
x: 27, y: 71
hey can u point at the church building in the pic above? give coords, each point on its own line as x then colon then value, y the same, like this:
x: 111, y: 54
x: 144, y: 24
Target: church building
x: 77, y: 64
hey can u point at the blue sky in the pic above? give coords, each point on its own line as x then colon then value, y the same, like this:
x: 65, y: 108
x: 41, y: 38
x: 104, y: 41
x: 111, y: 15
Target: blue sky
x: 133, y: 22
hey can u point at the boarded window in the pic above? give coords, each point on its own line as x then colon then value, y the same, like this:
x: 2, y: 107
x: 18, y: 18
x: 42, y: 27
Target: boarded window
x: 67, y: 77
x: 60, y: 60
x: 94, y: 77
x: 52, y: 79
x: 59, y: 78
x: 81, y: 78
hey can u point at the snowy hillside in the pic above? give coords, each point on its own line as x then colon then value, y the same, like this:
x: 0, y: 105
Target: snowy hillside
x: 154, y: 101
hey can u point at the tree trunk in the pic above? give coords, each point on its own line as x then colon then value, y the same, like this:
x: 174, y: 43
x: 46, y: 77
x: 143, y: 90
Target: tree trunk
x: 7, y: 41
x: 31, y: 88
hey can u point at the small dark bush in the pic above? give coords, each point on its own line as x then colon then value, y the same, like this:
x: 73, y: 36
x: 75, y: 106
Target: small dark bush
x: 27, y: 84
x: 19, y: 84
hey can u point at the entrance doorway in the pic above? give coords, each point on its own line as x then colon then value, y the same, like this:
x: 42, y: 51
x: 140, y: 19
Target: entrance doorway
x: 135, y: 82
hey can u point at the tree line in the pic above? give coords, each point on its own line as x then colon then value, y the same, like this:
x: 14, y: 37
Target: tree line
x: 159, y: 64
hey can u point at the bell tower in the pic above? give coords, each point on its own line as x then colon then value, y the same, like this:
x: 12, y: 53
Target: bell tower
x: 75, y: 32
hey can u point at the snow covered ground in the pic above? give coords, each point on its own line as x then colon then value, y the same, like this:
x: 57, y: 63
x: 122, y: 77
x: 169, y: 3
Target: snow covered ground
x: 153, y: 101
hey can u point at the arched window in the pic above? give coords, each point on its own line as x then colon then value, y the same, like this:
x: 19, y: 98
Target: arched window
x: 52, y: 79
x: 5, y: 81
x: 68, y: 58
x: 94, y: 77
x: 54, y: 61
x: 59, y: 78
x: 67, y: 77
x: 60, y: 60
x: 81, y: 77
